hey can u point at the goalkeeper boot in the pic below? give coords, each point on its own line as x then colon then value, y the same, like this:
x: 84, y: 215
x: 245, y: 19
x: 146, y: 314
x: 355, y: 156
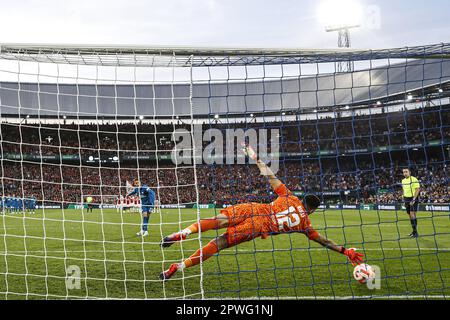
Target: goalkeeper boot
x: 170, y: 240
x: 166, y: 275
x: 142, y: 233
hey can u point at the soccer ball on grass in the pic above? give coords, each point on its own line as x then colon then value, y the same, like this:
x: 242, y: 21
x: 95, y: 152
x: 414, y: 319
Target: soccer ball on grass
x: 363, y: 273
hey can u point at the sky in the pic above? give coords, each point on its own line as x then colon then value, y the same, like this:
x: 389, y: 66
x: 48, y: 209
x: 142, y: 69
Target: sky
x: 221, y: 23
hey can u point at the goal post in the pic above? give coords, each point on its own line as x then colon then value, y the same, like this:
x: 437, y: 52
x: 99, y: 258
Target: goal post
x: 85, y: 121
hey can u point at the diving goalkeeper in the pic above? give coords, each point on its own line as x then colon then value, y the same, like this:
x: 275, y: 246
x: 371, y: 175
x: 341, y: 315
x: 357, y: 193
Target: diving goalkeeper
x: 244, y: 222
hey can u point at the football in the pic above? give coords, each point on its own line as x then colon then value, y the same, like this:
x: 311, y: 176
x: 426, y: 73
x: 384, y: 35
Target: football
x: 363, y: 273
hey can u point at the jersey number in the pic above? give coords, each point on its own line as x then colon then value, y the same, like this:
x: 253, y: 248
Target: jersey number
x: 288, y: 219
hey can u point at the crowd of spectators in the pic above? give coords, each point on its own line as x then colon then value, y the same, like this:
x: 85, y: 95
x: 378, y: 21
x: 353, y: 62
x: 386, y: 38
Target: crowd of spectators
x: 369, y: 178
x: 223, y: 184
x: 337, y: 134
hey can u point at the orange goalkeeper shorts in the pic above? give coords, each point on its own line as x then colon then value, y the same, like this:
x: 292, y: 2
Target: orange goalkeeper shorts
x: 246, y: 222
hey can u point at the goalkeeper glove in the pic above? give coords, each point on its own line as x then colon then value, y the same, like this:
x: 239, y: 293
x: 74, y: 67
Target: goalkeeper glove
x: 249, y: 152
x: 354, y: 257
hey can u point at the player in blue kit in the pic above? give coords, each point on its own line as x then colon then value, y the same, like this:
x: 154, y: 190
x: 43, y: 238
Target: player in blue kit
x: 14, y: 204
x: 147, y: 196
x: 20, y: 205
x: 27, y: 205
x: 11, y: 204
x: 32, y: 204
x: 7, y: 204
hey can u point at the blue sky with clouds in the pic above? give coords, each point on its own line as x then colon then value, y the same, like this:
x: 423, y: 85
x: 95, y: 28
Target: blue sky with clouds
x: 240, y: 23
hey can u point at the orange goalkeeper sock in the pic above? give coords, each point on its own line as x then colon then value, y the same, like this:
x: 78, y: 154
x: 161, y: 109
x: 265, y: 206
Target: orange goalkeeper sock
x: 208, y: 251
x: 205, y: 225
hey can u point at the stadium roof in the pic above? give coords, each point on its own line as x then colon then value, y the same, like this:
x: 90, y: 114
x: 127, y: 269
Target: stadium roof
x: 226, y: 97
x: 159, y: 56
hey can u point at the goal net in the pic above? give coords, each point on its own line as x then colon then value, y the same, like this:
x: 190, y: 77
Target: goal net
x: 78, y: 124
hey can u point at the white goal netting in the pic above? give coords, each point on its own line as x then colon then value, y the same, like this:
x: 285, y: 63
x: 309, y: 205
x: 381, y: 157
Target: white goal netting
x: 72, y: 136
x: 79, y: 125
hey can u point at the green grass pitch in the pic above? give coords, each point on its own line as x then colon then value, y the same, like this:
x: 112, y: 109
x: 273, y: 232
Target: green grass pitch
x: 36, y: 250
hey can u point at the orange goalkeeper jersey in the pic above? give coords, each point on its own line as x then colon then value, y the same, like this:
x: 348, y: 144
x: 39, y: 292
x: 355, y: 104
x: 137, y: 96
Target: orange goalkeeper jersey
x: 285, y: 214
x: 289, y: 214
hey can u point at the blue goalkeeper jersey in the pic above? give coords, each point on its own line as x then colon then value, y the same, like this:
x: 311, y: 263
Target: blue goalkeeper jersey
x: 146, y: 195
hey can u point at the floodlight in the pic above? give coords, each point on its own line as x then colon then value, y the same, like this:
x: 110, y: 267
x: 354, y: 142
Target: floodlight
x: 340, y: 13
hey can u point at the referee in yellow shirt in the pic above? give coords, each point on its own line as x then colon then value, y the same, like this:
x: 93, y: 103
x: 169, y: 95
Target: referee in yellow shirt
x: 411, y: 189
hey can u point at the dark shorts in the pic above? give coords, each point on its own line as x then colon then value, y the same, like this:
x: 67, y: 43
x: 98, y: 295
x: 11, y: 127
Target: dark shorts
x: 410, y: 207
x: 146, y: 208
